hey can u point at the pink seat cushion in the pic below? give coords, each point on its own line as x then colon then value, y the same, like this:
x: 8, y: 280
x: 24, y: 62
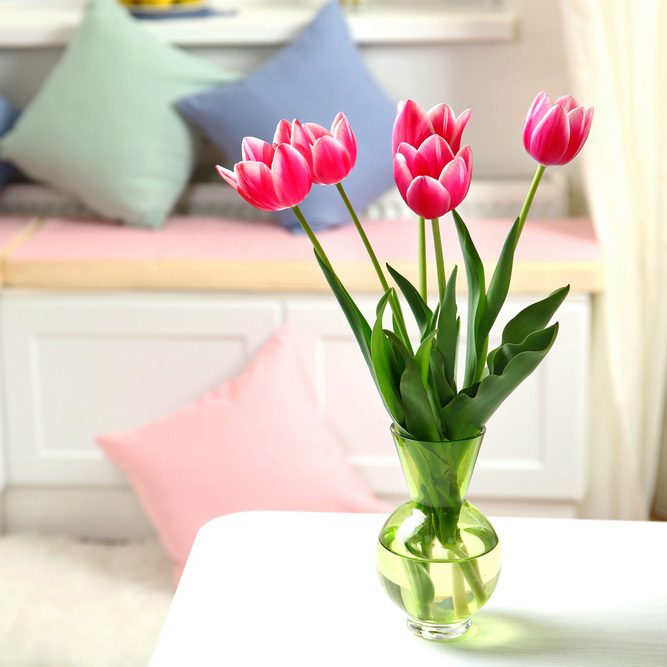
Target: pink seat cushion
x: 257, y: 442
x: 205, y: 238
x: 11, y: 226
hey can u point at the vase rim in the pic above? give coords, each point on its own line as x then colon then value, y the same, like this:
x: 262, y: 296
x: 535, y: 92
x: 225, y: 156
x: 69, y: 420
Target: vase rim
x: 395, y: 432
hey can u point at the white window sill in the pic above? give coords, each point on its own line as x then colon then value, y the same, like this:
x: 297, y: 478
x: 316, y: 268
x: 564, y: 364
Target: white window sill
x: 37, y: 24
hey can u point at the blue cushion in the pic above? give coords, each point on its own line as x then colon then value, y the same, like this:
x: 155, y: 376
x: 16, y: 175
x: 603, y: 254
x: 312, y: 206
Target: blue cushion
x: 8, y: 115
x: 319, y: 74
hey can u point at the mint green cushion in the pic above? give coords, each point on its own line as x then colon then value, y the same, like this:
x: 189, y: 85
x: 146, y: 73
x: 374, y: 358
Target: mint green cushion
x: 103, y: 126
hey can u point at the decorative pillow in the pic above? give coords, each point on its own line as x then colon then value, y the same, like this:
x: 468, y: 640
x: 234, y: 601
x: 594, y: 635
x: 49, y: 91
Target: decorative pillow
x: 257, y: 442
x: 319, y: 74
x: 8, y: 115
x: 103, y: 126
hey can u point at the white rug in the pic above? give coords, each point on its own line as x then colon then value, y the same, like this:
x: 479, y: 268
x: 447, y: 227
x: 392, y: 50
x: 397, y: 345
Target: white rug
x: 65, y: 603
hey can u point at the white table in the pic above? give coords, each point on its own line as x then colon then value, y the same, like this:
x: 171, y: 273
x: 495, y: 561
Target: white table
x: 300, y: 589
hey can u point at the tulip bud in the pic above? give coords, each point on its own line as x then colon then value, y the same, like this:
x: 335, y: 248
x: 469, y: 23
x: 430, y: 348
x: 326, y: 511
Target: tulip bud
x: 555, y: 132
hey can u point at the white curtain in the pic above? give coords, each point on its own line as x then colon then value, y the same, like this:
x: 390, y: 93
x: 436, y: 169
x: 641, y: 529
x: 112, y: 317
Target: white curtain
x: 617, y: 51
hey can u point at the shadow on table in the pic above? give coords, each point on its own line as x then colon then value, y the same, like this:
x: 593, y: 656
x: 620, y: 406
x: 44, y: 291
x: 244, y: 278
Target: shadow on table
x: 532, y: 641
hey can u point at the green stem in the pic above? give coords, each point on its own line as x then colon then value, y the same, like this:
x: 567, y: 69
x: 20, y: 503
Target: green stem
x: 459, y: 601
x: 422, y: 259
x: 530, y: 196
x: 311, y: 235
x: 439, y: 259
x: 393, y: 300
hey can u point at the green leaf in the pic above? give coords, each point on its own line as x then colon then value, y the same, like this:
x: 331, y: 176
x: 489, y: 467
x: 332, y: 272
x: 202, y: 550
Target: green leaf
x: 358, y: 323
x: 422, y: 313
x: 467, y: 414
x: 448, y: 330
x: 476, y: 298
x: 500, y: 281
x: 386, y: 370
x: 445, y: 392
x: 420, y: 421
x: 534, y: 317
x: 532, y: 343
x: 423, y: 356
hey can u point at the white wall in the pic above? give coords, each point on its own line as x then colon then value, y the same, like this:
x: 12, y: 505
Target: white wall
x: 497, y: 79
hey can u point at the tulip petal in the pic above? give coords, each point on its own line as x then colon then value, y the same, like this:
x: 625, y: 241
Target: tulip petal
x: 411, y: 126
x: 436, y: 153
x: 342, y: 130
x: 416, y: 162
x: 255, y: 185
x: 541, y: 104
x: 299, y: 139
x: 402, y: 175
x: 428, y: 198
x: 283, y: 132
x: 580, y: 125
x: 455, y: 178
x: 466, y: 154
x: 447, y: 125
x: 291, y: 176
x: 228, y: 176
x: 441, y: 117
x: 567, y: 102
x: 257, y: 150
x: 454, y: 139
x: 551, y: 137
x: 331, y: 161
x: 315, y: 131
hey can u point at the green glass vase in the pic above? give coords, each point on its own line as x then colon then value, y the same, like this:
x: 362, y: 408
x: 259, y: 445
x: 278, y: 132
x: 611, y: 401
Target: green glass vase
x: 438, y: 556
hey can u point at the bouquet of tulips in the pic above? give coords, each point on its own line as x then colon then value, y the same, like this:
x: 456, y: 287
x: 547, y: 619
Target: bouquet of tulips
x: 418, y: 380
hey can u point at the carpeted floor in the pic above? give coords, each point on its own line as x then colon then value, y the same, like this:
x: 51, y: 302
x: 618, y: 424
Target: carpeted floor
x: 65, y: 603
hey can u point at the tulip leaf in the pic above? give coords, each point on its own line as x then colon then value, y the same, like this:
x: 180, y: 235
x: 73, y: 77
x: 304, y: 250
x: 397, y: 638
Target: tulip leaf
x: 387, y: 370
x: 360, y: 327
x: 500, y: 281
x: 448, y: 330
x: 534, y: 317
x: 420, y: 421
x: 467, y: 413
x: 423, y: 357
x: 422, y: 313
x: 530, y: 319
x: 445, y: 392
x: 535, y: 342
x: 476, y: 344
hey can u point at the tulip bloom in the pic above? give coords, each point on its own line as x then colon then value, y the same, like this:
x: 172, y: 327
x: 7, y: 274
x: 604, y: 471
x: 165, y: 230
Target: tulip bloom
x: 413, y: 125
x: 270, y: 178
x: 330, y: 154
x: 431, y: 179
x: 556, y: 131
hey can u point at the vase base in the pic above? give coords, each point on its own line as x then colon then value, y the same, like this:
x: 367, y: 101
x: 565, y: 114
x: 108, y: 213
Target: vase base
x: 439, y: 633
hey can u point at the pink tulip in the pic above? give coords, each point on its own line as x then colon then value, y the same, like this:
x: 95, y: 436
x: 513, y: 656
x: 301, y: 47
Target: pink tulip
x: 413, y: 125
x: 332, y: 154
x: 270, y: 178
x: 556, y: 131
x: 432, y: 179
x: 295, y: 135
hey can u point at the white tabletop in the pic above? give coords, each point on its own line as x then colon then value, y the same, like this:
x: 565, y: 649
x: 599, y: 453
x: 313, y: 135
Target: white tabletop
x: 297, y: 589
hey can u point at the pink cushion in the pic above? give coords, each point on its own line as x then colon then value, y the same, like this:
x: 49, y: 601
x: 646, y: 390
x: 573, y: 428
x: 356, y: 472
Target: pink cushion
x: 205, y: 238
x: 11, y: 226
x: 257, y: 442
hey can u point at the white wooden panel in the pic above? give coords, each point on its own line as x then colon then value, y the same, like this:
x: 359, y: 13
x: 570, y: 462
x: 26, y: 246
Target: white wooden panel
x: 82, y: 365
x: 535, y: 444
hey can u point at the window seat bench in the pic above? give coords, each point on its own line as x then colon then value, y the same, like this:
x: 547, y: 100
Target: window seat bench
x: 206, y: 253
x: 105, y: 328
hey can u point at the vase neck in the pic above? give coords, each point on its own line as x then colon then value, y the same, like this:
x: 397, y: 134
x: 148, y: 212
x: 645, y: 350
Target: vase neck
x: 438, y: 473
